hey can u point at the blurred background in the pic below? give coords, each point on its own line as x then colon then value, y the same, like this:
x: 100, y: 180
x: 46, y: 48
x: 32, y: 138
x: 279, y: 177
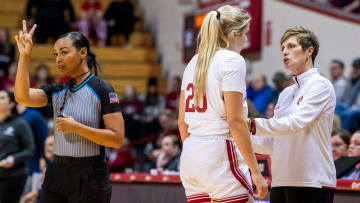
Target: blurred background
x: 144, y: 46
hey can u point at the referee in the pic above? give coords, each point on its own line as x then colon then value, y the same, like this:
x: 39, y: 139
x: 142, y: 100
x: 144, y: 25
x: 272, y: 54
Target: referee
x: 87, y: 118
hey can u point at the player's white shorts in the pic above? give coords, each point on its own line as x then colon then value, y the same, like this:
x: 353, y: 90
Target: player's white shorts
x: 213, y: 170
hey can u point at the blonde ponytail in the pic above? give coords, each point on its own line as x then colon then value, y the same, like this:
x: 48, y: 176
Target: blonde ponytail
x: 213, y: 36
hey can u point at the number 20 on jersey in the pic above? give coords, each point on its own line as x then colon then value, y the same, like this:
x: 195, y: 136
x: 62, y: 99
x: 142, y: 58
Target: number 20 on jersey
x: 190, y: 97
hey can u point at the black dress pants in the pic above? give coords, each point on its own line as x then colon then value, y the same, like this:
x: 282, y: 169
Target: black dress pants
x: 301, y: 195
x: 76, y: 180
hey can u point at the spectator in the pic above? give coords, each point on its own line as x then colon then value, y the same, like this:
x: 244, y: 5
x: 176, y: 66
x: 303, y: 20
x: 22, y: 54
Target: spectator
x: 42, y: 76
x: 131, y: 108
x: 40, y: 132
x: 154, y: 106
x: 16, y: 146
x: 172, y: 97
x: 7, y: 52
x: 33, y: 196
x: 349, y: 111
x: 353, y: 91
x: 340, y: 140
x: 169, y: 156
x: 49, y: 15
x: 354, y: 147
x: 8, y: 83
x: 120, y: 159
x: 354, y: 151
x: 168, y: 123
x: 92, y: 19
x: 259, y: 93
x: 338, y: 80
x: 279, y: 80
x: 120, y: 19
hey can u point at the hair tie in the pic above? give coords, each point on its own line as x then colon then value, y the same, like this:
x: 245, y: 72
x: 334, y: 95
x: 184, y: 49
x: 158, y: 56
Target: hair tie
x: 218, y: 15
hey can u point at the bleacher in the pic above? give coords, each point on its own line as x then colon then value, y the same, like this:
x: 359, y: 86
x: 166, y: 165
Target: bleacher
x: 121, y: 66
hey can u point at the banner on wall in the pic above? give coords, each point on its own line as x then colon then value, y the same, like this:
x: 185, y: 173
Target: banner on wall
x: 192, y: 24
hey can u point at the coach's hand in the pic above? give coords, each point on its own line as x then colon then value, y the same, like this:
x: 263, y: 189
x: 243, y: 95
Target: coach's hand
x: 65, y: 124
x: 24, y: 39
x: 261, y: 185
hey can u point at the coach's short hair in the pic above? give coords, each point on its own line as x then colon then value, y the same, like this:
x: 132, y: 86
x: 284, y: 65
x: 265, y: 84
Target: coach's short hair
x: 305, y: 38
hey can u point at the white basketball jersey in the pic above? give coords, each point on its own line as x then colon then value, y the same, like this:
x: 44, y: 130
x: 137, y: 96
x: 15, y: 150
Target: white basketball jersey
x: 227, y: 72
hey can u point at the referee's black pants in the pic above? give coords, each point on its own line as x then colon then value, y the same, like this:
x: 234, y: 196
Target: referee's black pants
x: 76, y: 180
x: 301, y: 195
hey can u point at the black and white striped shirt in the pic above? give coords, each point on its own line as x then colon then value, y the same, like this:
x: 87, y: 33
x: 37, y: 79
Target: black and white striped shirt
x: 87, y: 103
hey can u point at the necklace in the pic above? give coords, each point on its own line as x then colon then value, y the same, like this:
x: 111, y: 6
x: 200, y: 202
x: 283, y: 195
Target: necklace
x: 73, y: 80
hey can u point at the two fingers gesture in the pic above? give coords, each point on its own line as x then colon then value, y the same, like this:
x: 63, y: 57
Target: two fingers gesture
x: 24, y: 39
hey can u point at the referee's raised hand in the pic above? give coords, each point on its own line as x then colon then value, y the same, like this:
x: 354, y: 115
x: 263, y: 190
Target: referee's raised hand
x: 24, y: 39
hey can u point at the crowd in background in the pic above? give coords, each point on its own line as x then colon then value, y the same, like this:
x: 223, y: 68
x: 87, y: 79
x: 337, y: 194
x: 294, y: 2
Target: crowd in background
x: 110, y: 26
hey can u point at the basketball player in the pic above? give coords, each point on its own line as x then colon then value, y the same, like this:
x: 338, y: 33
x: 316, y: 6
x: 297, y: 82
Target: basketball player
x: 217, y: 152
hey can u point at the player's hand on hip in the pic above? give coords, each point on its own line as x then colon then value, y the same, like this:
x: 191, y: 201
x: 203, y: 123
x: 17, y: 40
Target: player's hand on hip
x: 65, y: 124
x: 24, y: 39
x: 261, y: 185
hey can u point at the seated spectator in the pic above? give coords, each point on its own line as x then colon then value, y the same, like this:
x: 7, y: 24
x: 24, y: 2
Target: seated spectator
x: 154, y: 106
x: 92, y: 19
x: 7, y: 52
x: 33, y: 195
x: 8, y: 82
x: 349, y: 110
x: 340, y: 140
x: 120, y: 19
x: 354, y: 151
x: 259, y: 92
x: 49, y: 15
x: 168, y: 122
x: 42, y: 76
x: 279, y: 80
x: 338, y: 79
x: 353, y: 92
x: 169, y: 157
x: 172, y: 98
x: 120, y: 159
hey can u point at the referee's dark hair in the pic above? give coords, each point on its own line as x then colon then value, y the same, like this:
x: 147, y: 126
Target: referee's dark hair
x: 80, y: 41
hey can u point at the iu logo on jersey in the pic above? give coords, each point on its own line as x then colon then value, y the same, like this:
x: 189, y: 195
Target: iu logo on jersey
x: 300, y: 99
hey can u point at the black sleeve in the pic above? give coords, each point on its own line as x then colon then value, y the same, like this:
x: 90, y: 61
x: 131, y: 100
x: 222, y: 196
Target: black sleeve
x: 26, y: 141
x: 50, y: 89
x: 109, y: 99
